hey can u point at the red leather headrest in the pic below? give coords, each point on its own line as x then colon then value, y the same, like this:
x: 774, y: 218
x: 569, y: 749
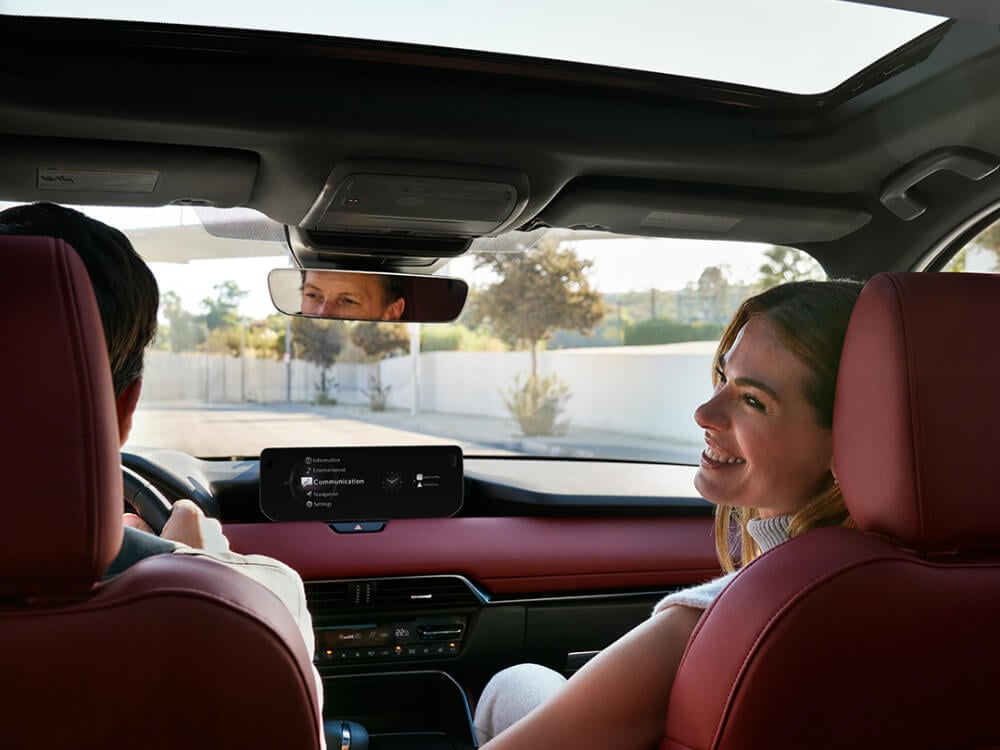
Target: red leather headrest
x: 917, y: 417
x: 60, y: 484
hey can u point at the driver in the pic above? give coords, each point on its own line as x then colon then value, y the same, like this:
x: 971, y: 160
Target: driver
x: 352, y: 296
x: 128, y: 298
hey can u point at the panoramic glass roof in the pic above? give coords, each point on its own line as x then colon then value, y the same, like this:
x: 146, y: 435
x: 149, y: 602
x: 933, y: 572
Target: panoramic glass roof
x: 794, y: 46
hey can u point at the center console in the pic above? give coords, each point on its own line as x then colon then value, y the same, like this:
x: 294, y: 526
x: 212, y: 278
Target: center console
x: 402, y: 710
x: 387, y: 650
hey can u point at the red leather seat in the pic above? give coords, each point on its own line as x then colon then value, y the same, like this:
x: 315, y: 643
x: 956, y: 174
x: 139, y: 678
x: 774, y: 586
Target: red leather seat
x: 174, y: 652
x: 885, y: 637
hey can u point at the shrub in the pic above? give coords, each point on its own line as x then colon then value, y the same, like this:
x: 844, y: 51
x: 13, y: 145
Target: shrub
x: 669, y: 331
x: 456, y: 337
x: 326, y: 390
x: 442, y: 339
x: 324, y: 399
x: 536, y: 403
x: 378, y: 394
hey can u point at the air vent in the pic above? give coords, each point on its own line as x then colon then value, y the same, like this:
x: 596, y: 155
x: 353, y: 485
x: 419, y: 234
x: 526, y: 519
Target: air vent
x: 414, y: 593
x: 327, y: 600
x: 330, y: 599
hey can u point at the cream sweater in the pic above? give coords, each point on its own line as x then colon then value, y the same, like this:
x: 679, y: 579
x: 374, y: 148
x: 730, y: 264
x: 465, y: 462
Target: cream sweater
x: 767, y: 532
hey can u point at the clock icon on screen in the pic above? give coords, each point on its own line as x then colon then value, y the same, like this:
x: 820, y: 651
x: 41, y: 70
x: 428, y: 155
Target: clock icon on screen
x: 392, y: 482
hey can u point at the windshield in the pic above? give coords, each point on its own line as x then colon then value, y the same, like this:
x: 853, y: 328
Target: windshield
x: 572, y: 344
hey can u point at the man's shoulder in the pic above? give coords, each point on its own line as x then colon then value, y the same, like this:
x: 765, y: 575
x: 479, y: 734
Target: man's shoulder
x: 138, y: 545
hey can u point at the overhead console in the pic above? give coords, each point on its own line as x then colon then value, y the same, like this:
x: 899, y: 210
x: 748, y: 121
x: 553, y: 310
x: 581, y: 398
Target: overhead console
x: 405, y: 213
x: 699, y: 211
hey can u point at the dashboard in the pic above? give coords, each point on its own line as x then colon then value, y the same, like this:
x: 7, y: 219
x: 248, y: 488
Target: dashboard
x: 547, y: 561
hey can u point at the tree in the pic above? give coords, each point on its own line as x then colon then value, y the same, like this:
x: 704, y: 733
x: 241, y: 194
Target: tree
x: 712, y: 280
x: 636, y: 306
x: 185, y: 331
x: 223, y: 310
x: 989, y: 240
x: 713, y: 292
x: 379, y: 339
x: 539, y: 291
x: 266, y: 338
x: 225, y: 340
x: 785, y: 264
x: 320, y: 342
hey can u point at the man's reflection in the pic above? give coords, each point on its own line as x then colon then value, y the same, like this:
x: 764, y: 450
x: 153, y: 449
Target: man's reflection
x: 352, y: 296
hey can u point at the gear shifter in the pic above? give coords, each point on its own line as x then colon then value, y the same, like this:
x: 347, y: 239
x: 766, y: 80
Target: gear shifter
x: 345, y: 735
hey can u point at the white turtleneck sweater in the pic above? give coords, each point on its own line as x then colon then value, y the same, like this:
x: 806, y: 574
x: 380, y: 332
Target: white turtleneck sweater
x: 767, y: 532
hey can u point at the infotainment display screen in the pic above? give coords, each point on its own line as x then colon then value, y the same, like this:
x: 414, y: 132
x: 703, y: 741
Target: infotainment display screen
x: 361, y: 484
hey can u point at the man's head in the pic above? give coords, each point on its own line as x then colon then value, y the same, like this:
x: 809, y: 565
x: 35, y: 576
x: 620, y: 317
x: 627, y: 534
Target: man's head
x: 126, y: 292
x: 352, y: 296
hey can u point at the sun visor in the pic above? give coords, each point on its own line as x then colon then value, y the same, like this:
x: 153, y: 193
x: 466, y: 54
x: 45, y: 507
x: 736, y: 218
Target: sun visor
x: 703, y: 212
x: 127, y: 174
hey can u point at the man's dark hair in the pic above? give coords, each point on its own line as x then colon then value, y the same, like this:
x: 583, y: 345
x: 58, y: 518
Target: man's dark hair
x: 127, y: 295
x: 393, y: 287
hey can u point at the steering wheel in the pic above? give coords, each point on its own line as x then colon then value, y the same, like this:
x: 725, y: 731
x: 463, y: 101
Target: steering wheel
x: 149, y: 502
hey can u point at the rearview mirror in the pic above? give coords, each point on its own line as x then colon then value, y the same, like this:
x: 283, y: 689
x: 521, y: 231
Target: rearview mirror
x: 364, y: 295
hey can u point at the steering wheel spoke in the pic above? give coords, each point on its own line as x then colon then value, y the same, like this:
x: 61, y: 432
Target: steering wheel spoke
x: 149, y: 502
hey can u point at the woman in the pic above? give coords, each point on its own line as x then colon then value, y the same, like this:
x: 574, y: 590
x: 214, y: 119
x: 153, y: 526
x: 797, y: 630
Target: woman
x: 766, y: 466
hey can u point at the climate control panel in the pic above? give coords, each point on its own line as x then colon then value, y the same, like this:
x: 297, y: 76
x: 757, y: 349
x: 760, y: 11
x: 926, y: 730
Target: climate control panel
x: 420, y: 638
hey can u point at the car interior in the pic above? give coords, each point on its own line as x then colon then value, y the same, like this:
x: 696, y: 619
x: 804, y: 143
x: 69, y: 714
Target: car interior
x: 375, y: 155
x: 60, y: 619
x: 879, y: 639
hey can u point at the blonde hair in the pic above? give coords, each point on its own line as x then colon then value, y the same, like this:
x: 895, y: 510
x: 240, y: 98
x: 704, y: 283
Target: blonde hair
x: 810, y: 319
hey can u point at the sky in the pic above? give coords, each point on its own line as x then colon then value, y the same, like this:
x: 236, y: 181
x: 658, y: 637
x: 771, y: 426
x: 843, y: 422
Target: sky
x: 194, y: 281
x: 799, y: 46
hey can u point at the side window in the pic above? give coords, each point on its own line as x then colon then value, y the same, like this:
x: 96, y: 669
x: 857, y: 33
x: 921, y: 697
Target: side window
x: 980, y: 255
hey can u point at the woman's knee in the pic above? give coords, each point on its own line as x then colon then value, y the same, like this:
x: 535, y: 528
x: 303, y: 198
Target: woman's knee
x: 512, y: 694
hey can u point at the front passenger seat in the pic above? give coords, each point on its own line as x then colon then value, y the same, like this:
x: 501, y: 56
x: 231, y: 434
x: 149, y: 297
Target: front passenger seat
x: 174, y: 652
x: 885, y: 637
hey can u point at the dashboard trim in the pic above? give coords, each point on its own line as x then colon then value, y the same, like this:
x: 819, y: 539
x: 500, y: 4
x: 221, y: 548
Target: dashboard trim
x: 486, y: 600
x: 504, y: 556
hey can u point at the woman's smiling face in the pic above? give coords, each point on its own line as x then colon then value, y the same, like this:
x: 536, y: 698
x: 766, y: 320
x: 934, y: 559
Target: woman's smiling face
x: 764, y: 447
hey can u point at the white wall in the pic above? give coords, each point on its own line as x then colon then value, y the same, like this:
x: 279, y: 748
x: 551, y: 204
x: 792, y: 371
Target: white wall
x: 214, y: 378
x: 641, y: 390
x: 637, y: 390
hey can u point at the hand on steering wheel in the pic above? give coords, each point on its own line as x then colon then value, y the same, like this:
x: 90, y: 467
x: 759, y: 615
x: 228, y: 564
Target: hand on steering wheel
x: 149, y: 502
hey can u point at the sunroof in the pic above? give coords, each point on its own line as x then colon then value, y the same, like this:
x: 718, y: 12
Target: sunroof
x: 794, y: 46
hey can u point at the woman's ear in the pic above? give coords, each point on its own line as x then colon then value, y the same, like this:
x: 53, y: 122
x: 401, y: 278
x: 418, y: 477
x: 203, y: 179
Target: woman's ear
x: 125, y: 407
